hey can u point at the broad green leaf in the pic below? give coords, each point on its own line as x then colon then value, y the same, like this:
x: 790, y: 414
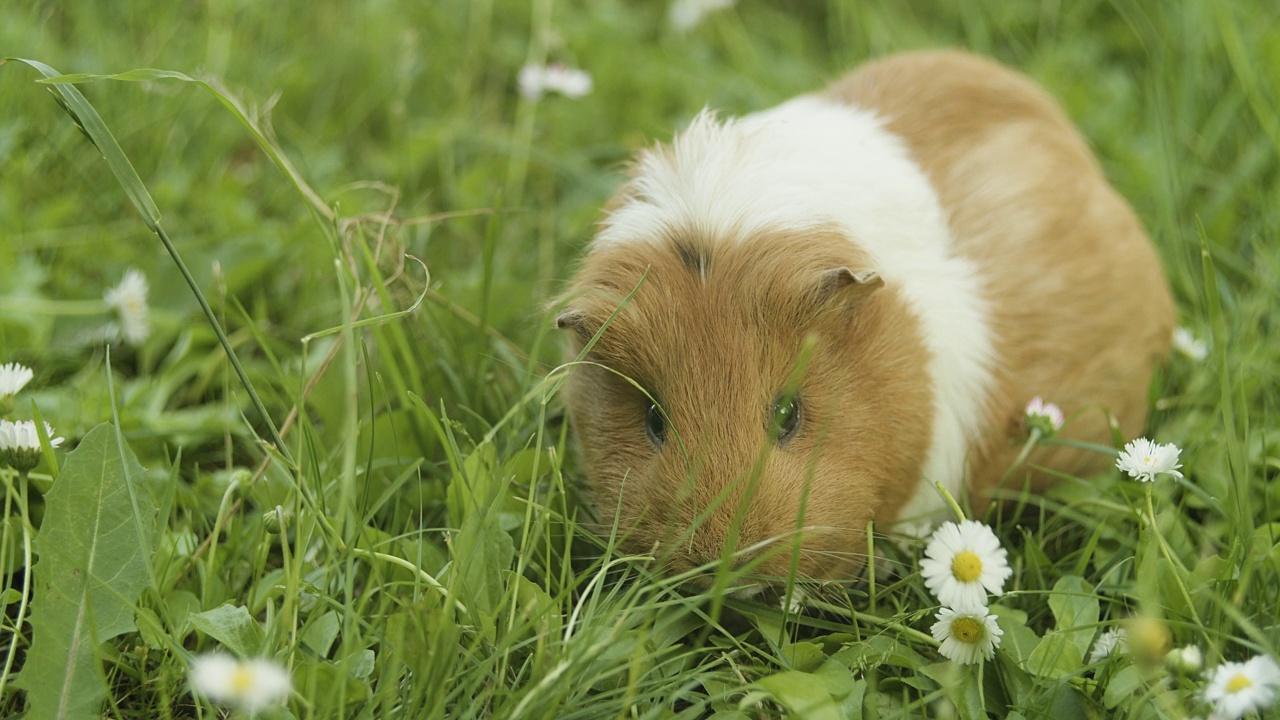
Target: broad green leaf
x: 359, y: 664
x: 838, y: 678
x: 962, y: 685
x: 803, y: 656
x: 232, y: 626
x: 878, y: 650
x: 179, y: 607
x: 151, y: 629
x: 1055, y: 657
x: 94, y: 547
x: 1122, y: 685
x: 537, y: 614
x: 627, y: 649
x: 804, y: 695
x: 1018, y: 640
x: 320, y: 633
x: 847, y: 691
x: 1075, y: 609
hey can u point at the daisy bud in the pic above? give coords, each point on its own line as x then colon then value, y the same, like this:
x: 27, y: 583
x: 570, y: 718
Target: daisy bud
x: 275, y: 521
x: 240, y: 479
x: 1184, y: 660
x: 1189, y: 345
x: 1112, y: 642
x: 1149, y: 639
x: 129, y: 300
x: 20, y: 444
x: 684, y: 15
x: 13, y: 377
x: 536, y: 80
x: 1043, y: 416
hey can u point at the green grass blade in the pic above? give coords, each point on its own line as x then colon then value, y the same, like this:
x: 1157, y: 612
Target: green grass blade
x: 96, y: 130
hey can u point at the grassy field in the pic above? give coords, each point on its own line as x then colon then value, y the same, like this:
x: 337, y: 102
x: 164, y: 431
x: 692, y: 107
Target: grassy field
x: 377, y: 221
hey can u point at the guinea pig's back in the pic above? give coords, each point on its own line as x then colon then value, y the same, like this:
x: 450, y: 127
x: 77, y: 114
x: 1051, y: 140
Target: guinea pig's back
x: 1080, y: 310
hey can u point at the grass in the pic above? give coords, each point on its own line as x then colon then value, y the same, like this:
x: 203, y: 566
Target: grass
x: 433, y: 560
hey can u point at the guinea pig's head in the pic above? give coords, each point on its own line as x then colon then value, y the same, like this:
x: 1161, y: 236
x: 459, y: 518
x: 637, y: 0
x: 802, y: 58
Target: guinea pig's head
x: 759, y: 399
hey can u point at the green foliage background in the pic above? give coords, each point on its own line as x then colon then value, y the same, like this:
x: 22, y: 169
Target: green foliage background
x: 432, y: 562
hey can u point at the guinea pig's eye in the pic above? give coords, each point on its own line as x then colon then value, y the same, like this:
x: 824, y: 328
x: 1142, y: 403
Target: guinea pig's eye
x: 786, y: 416
x: 655, y: 426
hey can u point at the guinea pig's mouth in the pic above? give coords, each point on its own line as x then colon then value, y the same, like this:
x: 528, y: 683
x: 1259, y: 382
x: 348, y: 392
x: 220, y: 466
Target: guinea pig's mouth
x: 738, y: 588
x: 738, y: 574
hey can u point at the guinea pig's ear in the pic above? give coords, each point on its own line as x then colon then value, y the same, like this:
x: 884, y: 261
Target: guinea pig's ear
x: 572, y: 318
x: 848, y: 285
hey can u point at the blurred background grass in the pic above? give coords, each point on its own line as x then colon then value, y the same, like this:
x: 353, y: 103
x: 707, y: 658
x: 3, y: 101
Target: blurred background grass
x: 410, y: 108
x: 1179, y: 102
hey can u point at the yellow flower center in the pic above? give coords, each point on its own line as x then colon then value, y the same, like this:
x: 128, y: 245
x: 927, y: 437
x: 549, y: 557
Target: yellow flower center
x: 241, y: 681
x: 966, y: 629
x: 967, y: 566
x: 1238, y: 683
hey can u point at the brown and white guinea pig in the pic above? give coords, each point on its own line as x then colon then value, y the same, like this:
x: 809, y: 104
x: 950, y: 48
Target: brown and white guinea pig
x: 813, y: 313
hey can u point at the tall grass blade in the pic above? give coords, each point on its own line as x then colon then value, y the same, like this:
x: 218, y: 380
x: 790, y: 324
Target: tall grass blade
x: 96, y: 130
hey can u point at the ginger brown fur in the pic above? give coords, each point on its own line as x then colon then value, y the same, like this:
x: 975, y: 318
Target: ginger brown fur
x: 1079, y: 309
x: 716, y: 353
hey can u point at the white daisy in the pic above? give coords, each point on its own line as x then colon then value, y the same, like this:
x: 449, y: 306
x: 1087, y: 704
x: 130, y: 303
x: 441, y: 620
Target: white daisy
x: 1189, y: 345
x: 1236, y: 688
x: 1115, y: 640
x: 684, y: 15
x: 536, y: 80
x: 1144, y: 459
x: 251, y: 685
x: 963, y: 562
x: 1043, y: 416
x: 13, y: 377
x: 129, y: 300
x: 20, y: 443
x: 967, y: 634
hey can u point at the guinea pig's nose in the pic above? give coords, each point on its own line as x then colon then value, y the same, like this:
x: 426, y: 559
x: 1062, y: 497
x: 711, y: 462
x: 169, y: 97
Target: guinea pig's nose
x: 709, y: 558
x: 700, y: 559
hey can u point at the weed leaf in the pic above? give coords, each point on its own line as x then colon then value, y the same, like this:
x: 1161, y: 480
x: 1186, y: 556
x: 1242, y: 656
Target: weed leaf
x: 803, y: 694
x: 232, y: 626
x: 89, y: 576
x: 1075, y: 608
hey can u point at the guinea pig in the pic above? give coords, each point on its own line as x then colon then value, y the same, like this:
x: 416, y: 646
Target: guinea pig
x: 796, y: 322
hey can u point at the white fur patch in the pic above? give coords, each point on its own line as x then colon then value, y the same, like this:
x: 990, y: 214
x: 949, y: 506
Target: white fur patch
x: 814, y: 162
